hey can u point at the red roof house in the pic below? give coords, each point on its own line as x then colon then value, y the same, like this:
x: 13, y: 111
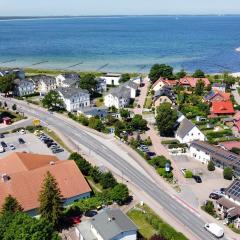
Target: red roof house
x: 222, y: 108
x: 161, y: 82
x: 191, y: 81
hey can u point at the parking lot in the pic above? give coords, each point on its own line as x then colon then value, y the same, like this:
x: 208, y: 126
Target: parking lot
x: 32, y: 145
x: 193, y: 191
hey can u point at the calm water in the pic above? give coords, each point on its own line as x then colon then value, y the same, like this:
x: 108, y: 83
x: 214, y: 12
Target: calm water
x: 122, y: 43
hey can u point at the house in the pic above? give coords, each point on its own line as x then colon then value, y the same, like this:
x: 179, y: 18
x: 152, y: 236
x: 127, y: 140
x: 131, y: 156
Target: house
x: 230, y: 145
x: 68, y: 80
x: 192, y: 82
x: 23, y: 87
x: 108, y: 224
x: 101, y: 85
x: 188, y: 132
x: 219, y: 87
x: 204, y: 152
x: 74, y: 98
x: 163, y: 82
x: 19, y: 73
x: 121, y: 96
x: 101, y: 112
x: 217, y: 96
x: 138, y: 80
x: 112, y: 79
x: 44, y: 83
x: 222, y: 108
x: 22, y: 175
x: 228, y: 206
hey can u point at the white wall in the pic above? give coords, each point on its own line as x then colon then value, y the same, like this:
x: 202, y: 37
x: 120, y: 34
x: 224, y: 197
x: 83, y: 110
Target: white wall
x: 111, y: 80
x: 199, y: 155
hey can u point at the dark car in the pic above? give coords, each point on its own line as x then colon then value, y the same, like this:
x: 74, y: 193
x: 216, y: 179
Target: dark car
x: 49, y: 144
x: 214, y: 196
x: 4, y: 144
x: 1, y: 135
x: 197, y: 178
x: 46, y: 141
x: 58, y: 150
x: 21, y: 141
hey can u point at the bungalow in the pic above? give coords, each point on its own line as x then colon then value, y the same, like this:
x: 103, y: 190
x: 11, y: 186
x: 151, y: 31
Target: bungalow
x: 74, y: 98
x: 192, y: 82
x: 222, y: 108
x: 217, y: 96
x: 23, y: 87
x: 108, y: 224
x: 112, y: 78
x: 67, y: 80
x: 100, y: 112
x: 22, y: 175
x: 187, y: 132
x: 219, y: 87
x: 163, y: 82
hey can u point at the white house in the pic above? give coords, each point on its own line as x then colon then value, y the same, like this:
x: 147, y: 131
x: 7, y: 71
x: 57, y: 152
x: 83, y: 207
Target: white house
x: 109, y: 224
x: 138, y: 80
x: 188, y: 132
x: 67, y: 80
x: 23, y: 87
x: 74, y: 98
x: 112, y: 78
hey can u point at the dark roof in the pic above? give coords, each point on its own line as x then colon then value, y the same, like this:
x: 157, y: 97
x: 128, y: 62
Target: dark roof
x: 209, y: 96
x: 219, y: 85
x: 233, y: 208
x: 165, y: 91
x: 112, y: 222
x: 94, y: 111
x: 71, y: 75
x: 233, y: 191
x: 71, y: 91
x: 218, y: 154
x: 20, y: 83
x: 121, y: 92
x: 185, y: 127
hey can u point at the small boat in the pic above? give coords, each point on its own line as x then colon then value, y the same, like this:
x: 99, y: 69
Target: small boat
x: 238, y: 49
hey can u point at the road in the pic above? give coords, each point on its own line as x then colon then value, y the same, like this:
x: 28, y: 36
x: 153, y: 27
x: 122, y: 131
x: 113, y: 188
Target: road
x: 189, y: 219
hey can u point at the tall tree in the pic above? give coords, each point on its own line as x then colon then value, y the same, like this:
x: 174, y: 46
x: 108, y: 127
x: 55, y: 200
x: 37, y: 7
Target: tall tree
x: 53, y: 101
x: 125, y: 77
x: 160, y: 70
x: 50, y: 198
x: 88, y: 82
x: 11, y: 205
x: 228, y: 80
x: 180, y: 74
x: 7, y: 83
x: 199, y: 89
x: 166, y: 119
x: 199, y: 74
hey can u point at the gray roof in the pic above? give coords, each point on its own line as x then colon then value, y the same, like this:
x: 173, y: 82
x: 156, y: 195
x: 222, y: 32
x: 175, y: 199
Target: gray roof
x: 19, y: 82
x: 185, y: 127
x: 71, y: 91
x: 130, y: 84
x: 96, y: 111
x: 219, y: 85
x: 111, y: 222
x: 45, y: 78
x: 71, y: 75
x: 121, y: 92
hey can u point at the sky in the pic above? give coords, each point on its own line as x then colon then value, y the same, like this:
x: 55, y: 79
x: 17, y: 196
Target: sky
x: 116, y: 7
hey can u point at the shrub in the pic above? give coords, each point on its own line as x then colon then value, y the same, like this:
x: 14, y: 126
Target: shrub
x: 209, y: 208
x: 170, y: 142
x: 235, y: 150
x: 159, y: 161
x: 211, y: 166
x: 188, y: 174
x: 228, y: 173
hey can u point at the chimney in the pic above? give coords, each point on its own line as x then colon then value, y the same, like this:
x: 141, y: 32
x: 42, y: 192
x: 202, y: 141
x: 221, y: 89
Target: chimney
x: 5, y: 177
x: 52, y: 163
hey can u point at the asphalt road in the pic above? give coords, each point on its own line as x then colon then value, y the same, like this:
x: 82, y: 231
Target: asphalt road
x: 182, y: 214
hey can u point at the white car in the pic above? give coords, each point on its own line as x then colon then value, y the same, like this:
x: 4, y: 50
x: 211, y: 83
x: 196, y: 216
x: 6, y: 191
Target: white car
x: 22, y: 131
x: 183, y: 170
x: 2, y: 149
x: 214, y: 229
x: 12, y: 147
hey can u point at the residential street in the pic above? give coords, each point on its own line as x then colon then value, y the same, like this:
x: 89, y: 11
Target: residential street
x: 104, y: 149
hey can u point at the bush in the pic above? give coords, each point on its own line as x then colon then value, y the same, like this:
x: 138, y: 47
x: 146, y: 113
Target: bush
x: 170, y: 142
x: 209, y: 208
x: 107, y: 180
x: 235, y: 150
x: 188, y: 174
x: 164, y: 174
x: 159, y: 161
x: 179, y: 145
x: 228, y: 173
x: 211, y: 166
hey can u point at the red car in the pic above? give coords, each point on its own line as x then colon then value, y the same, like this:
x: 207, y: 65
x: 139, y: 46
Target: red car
x: 75, y: 220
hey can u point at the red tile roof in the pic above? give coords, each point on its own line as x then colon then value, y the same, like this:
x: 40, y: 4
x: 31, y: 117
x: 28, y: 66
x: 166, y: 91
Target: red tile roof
x: 223, y: 95
x: 27, y: 174
x: 190, y: 81
x: 224, y: 107
x: 230, y: 145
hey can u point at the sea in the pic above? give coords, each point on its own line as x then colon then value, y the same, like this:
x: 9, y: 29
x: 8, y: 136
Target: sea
x: 121, y: 43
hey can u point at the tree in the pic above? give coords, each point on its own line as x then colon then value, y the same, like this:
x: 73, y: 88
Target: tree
x: 209, y: 207
x: 181, y: 74
x: 188, y: 174
x: 125, y: 77
x: 166, y: 119
x: 88, y: 82
x: 199, y: 74
x: 96, y: 124
x: 14, y: 107
x: 228, y: 173
x: 119, y: 193
x: 211, y: 166
x: 50, y: 198
x: 138, y: 123
x: 7, y: 83
x: 107, y: 180
x: 11, y: 205
x: 157, y: 237
x: 160, y: 70
x: 124, y: 113
x: 228, y: 80
x: 95, y: 174
x: 119, y: 127
x: 53, y: 101
x: 199, y: 90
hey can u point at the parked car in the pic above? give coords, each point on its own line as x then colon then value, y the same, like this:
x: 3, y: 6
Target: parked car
x: 21, y: 141
x: 197, y: 178
x: 2, y: 149
x: 58, y: 150
x: 12, y: 147
x: 214, y: 196
x: 47, y: 140
x: 214, y: 229
x: 50, y: 144
x: 3, y: 144
x: 22, y: 131
x: 2, y: 135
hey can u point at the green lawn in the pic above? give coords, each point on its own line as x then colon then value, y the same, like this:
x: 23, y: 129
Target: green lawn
x: 145, y: 229
x: 148, y: 101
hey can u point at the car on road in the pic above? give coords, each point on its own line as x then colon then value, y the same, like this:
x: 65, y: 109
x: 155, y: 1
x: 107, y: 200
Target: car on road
x: 2, y: 149
x: 2, y: 135
x: 58, y: 150
x: 22, y: 131
x: 183, y: 170
x: 214, y: 229
x: 214, y: 196
x: 12, y: 147
x: 50, y: 144
x: 3, y: 144
x: 21, y: 141
x: 197, y: 178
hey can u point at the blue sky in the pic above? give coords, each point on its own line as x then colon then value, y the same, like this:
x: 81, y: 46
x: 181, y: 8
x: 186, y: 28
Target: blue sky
x: 111, y: 7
